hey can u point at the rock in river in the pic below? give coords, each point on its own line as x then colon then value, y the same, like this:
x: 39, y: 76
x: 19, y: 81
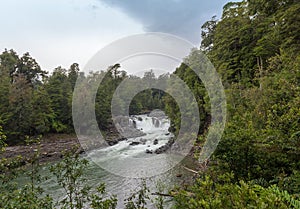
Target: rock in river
x: 149, y: 151
x: 134, y: 143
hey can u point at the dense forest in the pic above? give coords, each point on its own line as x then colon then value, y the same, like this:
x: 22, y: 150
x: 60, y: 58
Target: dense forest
x: 254, y: 46
x: 33, y: 103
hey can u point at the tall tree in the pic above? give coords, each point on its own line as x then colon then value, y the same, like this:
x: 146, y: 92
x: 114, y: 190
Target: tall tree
x: 233, y: 40
x: 208, y: 33
x: 30, y: 69
x: 73, y: 73
x: 9, y: 61
x: 20, y: 108
x: 59, y: 90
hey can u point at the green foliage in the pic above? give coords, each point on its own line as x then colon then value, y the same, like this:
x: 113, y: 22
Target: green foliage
x: 99, y: 202
x: 24, y: 198
x: 20, y: 108
x: 248, y: 34
x: 28, y: 196
x: 70, y: 176
x: 255, y: 48
x: 160, y: 199
x: 73, y: 74
x: 207, y: 34
x: 261, y: 137
x: 185, y: 72
x: 138, y: 199
x: 207, y: 193
x: 2, y: 140
x: 32, y: 103
x: 59, y: 91
x: 69, y: 173
x: 30, y: 69
x: 42, y: 114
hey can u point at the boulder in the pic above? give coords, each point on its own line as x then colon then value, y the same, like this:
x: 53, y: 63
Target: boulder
x: 155, y: 141
x: 112, y: 142
x: 143, y: 141
x: 165, y: 147
x: 149, y: 151
x: 134, y: 143
x: 160, y: 150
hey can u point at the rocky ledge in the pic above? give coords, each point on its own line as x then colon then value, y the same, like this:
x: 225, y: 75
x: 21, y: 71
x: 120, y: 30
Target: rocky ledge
x: 126, y: 126
x: 163, y: 148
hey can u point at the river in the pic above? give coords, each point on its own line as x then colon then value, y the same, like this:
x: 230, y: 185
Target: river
x: 113, y: 165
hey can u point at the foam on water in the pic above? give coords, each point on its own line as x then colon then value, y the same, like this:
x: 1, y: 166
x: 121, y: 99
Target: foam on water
x: 123, y: 149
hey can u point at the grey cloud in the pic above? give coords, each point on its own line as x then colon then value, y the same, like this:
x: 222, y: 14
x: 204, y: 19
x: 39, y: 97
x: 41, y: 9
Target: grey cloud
x: 179, y: 17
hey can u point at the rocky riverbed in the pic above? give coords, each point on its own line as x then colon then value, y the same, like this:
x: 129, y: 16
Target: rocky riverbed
x: 51, y: 147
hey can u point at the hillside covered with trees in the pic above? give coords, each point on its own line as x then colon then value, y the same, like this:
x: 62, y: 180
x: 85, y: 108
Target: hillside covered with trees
x: 255, y: 47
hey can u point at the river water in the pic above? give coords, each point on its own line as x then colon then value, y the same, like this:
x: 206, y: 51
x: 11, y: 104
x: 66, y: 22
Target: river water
x: 114, y: 165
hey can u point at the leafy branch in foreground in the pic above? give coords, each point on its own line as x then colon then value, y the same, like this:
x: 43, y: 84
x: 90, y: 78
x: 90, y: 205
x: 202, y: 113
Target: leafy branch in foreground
x: 14, y: 196
x: 138, y: 199
x: 70, y: 175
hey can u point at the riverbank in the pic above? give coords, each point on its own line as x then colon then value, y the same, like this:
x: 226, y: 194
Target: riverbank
x: 51, y: 148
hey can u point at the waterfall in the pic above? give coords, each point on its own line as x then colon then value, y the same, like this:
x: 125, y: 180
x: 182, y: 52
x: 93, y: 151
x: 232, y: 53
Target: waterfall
x: 154, y: 128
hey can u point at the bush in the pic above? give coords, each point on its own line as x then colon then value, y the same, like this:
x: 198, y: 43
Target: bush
x: 206, y: 193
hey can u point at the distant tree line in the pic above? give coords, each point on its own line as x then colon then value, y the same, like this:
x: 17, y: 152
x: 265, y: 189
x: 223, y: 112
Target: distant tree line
x: 35, y: 103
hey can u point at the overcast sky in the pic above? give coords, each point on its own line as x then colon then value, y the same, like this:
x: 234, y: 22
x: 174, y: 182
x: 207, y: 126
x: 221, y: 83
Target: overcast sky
x: 61, y: 32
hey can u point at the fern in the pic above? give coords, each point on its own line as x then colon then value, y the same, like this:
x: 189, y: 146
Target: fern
x: 293, y: 203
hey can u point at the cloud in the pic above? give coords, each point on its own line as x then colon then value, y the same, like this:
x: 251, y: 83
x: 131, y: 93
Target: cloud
x: 178, y: 17
x: 62, y: 32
